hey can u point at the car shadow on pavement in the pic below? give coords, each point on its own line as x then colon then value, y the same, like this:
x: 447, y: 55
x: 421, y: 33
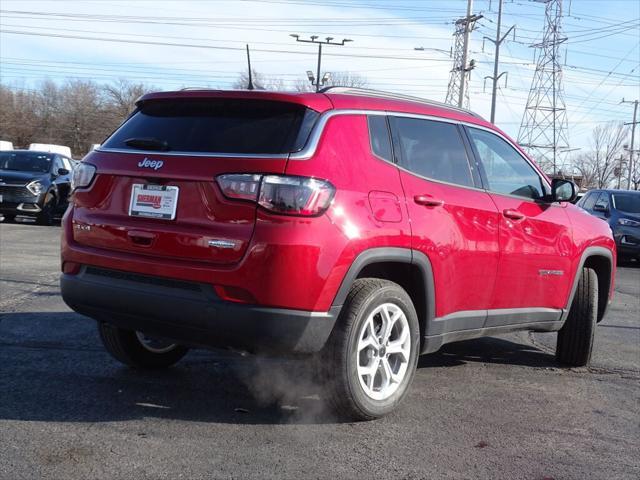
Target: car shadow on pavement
x: 488, y: 350
x: 53, y: 368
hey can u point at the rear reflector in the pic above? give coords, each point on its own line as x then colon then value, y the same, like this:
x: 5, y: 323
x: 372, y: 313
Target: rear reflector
x: 70, y: 268
x: 283, y: 194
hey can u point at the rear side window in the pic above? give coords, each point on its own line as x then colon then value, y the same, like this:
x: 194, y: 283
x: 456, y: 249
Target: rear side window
x: 217, y: 126
x: 379, y: 135
x: 432, y: 149
x: 506, y: 170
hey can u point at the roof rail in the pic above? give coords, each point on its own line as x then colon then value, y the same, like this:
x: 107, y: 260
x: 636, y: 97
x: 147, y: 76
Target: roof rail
x: 395, y: 96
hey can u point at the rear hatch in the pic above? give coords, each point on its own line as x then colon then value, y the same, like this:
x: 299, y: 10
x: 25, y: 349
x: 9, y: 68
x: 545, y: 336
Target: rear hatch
x: 155, y: 191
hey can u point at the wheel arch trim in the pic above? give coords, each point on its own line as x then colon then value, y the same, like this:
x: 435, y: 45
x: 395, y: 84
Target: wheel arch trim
x: 592, y: 252
x: 392, y: 255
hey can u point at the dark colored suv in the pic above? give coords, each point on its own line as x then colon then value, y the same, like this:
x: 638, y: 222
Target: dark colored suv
x: 359, y: 227
x: 35, y: 184
x: 621, y: 210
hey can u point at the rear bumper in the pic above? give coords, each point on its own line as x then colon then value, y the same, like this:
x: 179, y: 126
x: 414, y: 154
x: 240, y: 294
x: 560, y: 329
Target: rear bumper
x: 192, y: 314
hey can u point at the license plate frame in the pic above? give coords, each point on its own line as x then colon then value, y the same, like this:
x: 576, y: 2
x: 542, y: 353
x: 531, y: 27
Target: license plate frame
x: 154, y: 201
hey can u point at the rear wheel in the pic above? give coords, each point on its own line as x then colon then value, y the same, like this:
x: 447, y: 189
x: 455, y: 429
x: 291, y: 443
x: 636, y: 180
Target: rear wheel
x: 575, y: 339
x: 370, y: 359
x: 138, y: 350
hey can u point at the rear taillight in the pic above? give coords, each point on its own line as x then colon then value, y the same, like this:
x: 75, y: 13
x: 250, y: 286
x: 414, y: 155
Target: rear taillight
x: 283, y: 194
x: 240, y: 186
x: 82, y: 175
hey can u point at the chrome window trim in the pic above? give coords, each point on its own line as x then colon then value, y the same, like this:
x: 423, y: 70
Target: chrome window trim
x: 271, y: 156
x: 313, y: 142
x: 316, y: 133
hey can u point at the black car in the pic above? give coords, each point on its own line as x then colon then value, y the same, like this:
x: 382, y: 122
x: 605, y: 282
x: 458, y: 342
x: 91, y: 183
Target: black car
x: 35, y: 184
x: 621, y: 210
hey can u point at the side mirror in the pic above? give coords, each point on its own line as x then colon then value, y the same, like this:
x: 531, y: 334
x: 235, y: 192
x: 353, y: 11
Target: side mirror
x: 63, y: 171
x: 598, y: 207
x: 563, y: 190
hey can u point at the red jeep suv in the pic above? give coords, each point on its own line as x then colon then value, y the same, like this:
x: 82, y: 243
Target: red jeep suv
x: 361, y: 227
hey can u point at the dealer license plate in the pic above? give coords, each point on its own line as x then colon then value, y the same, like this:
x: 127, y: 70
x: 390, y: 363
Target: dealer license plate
x: 154, y: 201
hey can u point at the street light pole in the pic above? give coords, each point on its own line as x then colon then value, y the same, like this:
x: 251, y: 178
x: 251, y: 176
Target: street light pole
x: 319, y: 61
x: 326, y: 41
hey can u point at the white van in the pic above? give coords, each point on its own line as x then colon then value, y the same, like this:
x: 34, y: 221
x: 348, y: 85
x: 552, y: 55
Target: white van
x: 47, y: 147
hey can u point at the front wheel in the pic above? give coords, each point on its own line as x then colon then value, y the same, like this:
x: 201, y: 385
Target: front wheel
x: 138, y: 350
x: 370, y: 358
x: 575, y: 339
x: 45, y: 217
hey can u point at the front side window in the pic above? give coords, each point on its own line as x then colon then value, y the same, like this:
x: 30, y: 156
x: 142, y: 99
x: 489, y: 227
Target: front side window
x: 66, y: 162
x: 506, y: 170
x: 432, y: 149
x: 589, y: 201
x: 603, y: 201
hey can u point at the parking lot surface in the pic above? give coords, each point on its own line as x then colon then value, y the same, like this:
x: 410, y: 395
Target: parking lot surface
x: 490, y: 408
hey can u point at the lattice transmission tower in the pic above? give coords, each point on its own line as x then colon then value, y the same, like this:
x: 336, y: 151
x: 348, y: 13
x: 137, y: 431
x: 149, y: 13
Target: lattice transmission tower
x: 458, y: 91
x: 543, y: 131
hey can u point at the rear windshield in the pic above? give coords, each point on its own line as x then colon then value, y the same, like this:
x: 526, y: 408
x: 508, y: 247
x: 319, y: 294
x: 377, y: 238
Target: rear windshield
x: 26, y: 161
x: 216, y: 126
x: 627, y: 202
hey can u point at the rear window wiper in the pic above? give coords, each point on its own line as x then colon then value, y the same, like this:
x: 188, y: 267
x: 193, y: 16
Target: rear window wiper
x: 147, y: 143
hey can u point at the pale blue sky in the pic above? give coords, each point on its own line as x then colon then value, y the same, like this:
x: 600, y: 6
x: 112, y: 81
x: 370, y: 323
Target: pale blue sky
x: 602, y: 54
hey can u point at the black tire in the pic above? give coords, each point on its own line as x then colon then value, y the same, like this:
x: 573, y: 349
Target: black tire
x: 575, y: 339
x: 338, y: 360
x: 124, y: 346
x: 45, y: 217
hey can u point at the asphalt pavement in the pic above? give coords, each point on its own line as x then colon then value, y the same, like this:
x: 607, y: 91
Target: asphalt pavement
x: 493, y: 408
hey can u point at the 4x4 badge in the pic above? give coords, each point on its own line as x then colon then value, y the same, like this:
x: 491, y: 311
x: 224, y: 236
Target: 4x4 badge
x: 146, y: 163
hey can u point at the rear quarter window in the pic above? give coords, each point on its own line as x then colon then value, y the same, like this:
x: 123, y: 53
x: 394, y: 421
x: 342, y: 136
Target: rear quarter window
x: 379, y: 136
x: 218, y: 126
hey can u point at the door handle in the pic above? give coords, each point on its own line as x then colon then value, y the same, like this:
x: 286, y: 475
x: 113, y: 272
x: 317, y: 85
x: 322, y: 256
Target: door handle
x: 428, y: 201
x: 513, y: 214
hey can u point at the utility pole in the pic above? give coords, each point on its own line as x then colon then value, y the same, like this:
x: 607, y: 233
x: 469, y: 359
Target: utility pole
x: 250, y: 86
x: 543, y: 131
x: 497, y: 42
x: 633, y: 137
x: 457, y: 93
x: 617, y: 171
x: 326, y: 41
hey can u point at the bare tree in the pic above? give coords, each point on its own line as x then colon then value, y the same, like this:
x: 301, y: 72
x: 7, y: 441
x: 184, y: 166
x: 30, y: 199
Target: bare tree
x: 598, y: 166
x: 635, y: 174
x: 338, y: 79
x: 121, y: 97
x: 76, y: 113
x: 17, y: 121
x: 259, y: 81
